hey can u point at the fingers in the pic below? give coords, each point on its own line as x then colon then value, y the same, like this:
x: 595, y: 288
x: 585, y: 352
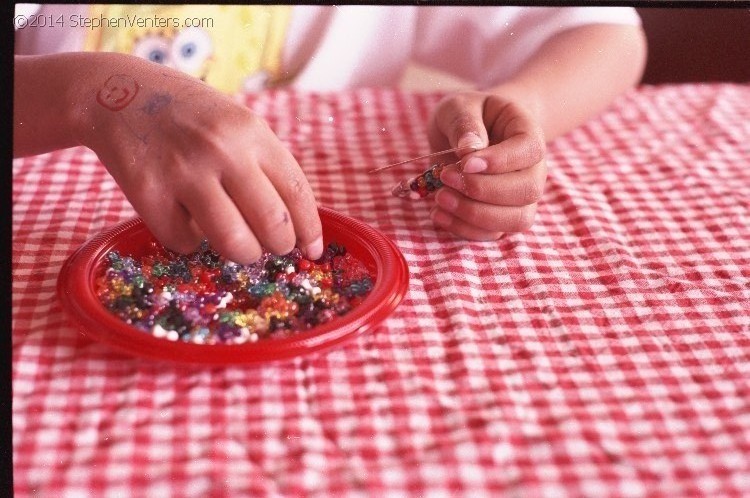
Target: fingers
x: 495, y: 220
x: 271, y: 192
x: 260, y: 198
x: 505, y: 135
x: 239, y: 218
x: 171, y: 224
x: 217, y: 215
x: 263, y: 210
x: 211, y: 168
x: 481, y: 206
x: 296, y: 194
x: 494, y: 189
x: 516, y: 188
x: 518, y: 141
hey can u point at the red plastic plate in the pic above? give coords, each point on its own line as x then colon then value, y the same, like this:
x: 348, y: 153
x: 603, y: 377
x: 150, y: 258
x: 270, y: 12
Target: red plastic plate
x: 76, y: 288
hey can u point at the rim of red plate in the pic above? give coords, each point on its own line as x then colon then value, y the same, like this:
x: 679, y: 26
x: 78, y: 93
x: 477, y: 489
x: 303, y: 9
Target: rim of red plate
x: 76, y: 290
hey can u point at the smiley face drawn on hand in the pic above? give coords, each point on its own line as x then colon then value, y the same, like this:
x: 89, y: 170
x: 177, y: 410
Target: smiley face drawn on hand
x: 118, y: 91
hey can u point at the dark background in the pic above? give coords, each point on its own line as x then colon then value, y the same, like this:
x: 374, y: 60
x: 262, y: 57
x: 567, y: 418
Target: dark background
x: 697, y: 44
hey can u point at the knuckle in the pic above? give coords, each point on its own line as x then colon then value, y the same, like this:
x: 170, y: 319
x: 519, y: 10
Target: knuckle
x: 255, y: 121
x: 496, y: 224
x: 453, y: 102
x: 184, y: 183
x: 525, y: 218
x: 536, y: 151
x: 461, y: 121
x: 488, y: 218
x: 298, y: 187
x: 531, y: 191
x: 472, y: 189
x: 451, y: 108
x: 275, y: 231
x: 273, y: 217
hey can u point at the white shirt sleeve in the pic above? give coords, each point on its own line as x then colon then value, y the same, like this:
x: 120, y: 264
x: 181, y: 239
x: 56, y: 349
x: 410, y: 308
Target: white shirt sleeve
x: 335, y: 47
x: 486, y: 45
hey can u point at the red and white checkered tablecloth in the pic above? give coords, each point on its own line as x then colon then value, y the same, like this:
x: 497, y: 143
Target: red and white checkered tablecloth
x: 604, y: 353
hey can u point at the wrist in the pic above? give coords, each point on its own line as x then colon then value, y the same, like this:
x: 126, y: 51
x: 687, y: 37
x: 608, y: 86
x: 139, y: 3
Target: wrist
x: 89, y: 115
x: 48, y: 108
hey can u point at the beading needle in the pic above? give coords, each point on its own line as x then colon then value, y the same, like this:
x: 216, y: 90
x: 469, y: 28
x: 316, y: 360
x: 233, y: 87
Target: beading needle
x: 440, y: 153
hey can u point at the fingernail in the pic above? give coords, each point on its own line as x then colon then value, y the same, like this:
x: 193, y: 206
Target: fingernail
x: 470, y: 139
x: 447, y: 200
x: 474, y: 165
x: 314, y: 250
x: 441, y: 218
x: 452, y: 179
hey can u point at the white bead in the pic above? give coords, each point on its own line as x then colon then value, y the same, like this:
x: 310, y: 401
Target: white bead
x: 227, y: 298
x: 158, y: 331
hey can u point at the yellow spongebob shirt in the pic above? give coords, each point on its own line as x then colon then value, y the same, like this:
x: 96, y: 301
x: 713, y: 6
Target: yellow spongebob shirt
x: 229, y: 47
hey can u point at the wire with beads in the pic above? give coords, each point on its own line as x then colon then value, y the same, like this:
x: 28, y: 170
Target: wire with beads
x: 425, y: 183
x: 421, y: 185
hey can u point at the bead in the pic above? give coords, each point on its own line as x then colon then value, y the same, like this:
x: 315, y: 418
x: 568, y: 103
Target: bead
x: 159, y: 331
x: 202, y: 298
x: 421, y: 185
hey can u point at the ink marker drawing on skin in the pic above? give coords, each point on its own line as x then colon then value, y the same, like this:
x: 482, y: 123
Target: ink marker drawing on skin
x: 117, y: 92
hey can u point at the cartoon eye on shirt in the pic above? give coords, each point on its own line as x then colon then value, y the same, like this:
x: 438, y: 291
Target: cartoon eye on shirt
x: 155, y: 48
x: 188, y: 51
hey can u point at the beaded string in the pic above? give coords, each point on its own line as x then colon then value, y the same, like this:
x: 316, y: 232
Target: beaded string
x: 421, y: 185
x: 425, y: 183
x: 204, y: 299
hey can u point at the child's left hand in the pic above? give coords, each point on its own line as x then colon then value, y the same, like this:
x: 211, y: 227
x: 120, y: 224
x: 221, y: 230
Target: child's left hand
x: 494, y: 189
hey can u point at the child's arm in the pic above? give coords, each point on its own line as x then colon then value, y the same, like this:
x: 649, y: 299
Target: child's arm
x: 573, y: 76
x: 194, y: 163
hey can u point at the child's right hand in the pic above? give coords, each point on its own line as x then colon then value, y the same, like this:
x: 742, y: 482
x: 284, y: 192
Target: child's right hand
x: 195, y: 164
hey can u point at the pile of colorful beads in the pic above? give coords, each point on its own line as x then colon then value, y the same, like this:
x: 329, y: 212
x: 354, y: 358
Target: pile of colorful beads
x: 422, y: 185
x: 204, y: 299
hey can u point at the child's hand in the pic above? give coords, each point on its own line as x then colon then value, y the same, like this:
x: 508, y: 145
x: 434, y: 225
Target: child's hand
x: 195, y: 164
x: 495, y: 189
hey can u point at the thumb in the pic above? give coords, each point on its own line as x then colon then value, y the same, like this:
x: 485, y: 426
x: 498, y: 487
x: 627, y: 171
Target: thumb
x: 461, y: 122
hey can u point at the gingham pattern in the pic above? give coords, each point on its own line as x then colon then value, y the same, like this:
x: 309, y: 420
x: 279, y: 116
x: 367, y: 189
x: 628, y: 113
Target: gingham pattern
x: 604, y: 353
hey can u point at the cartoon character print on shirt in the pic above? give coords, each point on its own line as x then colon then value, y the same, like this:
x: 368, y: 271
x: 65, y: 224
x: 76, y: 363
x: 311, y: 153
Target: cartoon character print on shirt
x: 232, y: 48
